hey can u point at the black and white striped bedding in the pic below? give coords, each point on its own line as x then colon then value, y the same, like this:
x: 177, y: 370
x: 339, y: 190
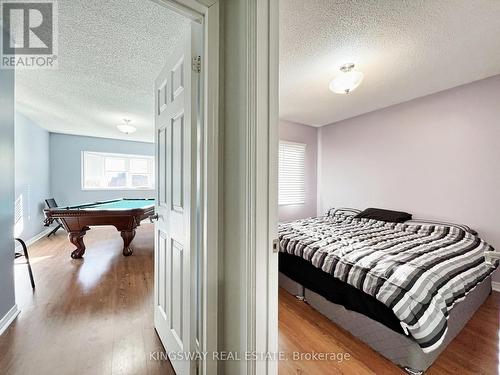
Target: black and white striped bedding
x: 419, y: 271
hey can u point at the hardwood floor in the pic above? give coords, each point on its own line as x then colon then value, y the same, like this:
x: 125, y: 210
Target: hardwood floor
x: 302, y: 329
x: 94, y: 316
x: 90, y: 316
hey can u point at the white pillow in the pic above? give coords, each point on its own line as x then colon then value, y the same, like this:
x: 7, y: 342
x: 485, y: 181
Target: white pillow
x: 343, y: 211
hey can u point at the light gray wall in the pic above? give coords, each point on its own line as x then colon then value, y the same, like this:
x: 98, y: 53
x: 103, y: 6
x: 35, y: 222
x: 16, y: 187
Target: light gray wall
x: 32, y: 175
x: 294, y: 132
x: 436, y: 157
x: 66, y: 173
x: 7, y: 299
x: 233, y: 299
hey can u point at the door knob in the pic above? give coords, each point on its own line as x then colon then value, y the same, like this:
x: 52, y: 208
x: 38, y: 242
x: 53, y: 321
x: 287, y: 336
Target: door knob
x: 153, y: 218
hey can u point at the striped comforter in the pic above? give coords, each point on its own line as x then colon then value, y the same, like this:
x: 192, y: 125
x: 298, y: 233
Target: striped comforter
x: 419, y: 271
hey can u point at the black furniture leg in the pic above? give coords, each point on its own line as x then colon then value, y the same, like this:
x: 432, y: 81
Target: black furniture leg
x: 54, y: 230
x: 25, y: 250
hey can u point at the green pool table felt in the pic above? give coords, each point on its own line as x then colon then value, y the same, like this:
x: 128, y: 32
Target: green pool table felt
x: 124, y: 204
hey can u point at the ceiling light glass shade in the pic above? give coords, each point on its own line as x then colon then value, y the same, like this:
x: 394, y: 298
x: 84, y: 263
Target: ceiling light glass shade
x: 127, y: 129
x: 347, y: 81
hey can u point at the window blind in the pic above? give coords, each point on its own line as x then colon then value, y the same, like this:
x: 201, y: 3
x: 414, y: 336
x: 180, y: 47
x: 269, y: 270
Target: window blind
x: 291, y: 177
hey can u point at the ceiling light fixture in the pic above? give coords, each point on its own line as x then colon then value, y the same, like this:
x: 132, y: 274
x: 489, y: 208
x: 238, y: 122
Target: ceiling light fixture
x: 126, y: 128
x: 347, y: 81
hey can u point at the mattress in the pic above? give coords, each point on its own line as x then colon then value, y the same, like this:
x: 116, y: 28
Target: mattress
x: 397, y: 347
x: 419, y: 272
x: 334, y: 290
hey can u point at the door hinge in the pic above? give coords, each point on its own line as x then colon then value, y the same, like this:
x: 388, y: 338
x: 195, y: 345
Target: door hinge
x: 276, y: 244
x: 196, y: 64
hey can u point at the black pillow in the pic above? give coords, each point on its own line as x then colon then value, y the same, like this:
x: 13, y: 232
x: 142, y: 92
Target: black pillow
x: 384, y: 215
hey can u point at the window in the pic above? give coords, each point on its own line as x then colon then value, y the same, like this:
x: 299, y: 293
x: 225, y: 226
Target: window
x: 291, y: 180
x: 103, y: 171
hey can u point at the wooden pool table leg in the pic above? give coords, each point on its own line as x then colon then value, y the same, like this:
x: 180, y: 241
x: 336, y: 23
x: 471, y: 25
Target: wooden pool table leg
x: 128, y: 236
x: 76, y: 238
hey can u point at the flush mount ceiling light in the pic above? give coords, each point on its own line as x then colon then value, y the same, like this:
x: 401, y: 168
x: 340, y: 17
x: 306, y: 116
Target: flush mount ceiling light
x: 347, y: 81
x: 126, y: 128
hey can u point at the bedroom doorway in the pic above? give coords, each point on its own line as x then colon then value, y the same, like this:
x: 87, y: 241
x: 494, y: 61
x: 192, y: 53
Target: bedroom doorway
x: 386, y: 264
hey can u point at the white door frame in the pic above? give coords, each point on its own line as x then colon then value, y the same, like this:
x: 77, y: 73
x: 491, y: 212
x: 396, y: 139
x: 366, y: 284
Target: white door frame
x: 255, y: 326
x: 263, y: 111
x: 250, y: 110
x: 206, y: 12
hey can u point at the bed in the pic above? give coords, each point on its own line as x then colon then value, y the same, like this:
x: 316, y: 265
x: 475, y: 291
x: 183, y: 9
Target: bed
x: 406, y: 289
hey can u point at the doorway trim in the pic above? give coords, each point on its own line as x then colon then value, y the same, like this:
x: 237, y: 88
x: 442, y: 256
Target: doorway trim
x: 249, y: 288
x: 206, y: 12
x: 262, y: 162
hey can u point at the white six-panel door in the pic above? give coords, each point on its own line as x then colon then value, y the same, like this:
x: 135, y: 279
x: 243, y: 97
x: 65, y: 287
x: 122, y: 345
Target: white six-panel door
x: 175, y: 302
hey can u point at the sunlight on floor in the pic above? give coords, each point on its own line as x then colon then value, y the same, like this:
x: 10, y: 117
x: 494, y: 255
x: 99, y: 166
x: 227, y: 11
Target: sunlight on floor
x: 92, y: 269
x: 36, y: 260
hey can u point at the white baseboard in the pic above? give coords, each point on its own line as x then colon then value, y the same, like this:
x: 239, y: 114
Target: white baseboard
x: 8, y: 318
x: 32, y: 240
x: 495, y: 285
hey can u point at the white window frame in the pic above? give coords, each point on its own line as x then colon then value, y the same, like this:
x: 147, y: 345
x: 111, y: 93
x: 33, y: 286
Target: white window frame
x: 303, y: 201
x: 117, y: 155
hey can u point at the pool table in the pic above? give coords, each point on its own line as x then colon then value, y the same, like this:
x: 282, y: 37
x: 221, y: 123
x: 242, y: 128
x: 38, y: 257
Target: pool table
x: 124, y: 214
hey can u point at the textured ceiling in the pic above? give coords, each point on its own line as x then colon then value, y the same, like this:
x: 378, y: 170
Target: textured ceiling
x: 405, y: 48
x: 110, y: 52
